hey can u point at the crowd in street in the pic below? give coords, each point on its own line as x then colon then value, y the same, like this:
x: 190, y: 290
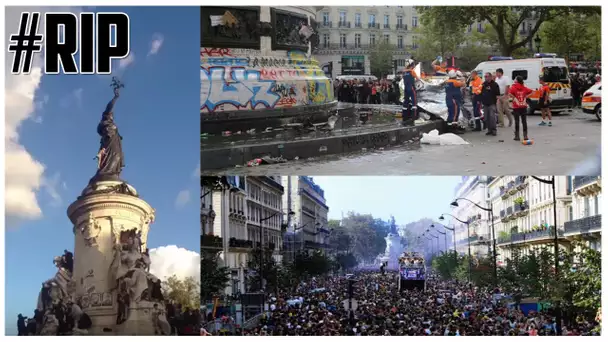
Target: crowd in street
x: 447, y: 308
x: 183, y: 321
x: 496, y: 101
x: 367, y: 91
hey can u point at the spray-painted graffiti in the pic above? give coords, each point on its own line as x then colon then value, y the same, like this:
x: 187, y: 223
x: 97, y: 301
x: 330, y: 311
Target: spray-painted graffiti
x: 241, y: 79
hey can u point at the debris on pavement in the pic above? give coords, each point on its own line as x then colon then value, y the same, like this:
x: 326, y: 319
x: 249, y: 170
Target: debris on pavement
x: 434, y: 138
x: 265, y: 161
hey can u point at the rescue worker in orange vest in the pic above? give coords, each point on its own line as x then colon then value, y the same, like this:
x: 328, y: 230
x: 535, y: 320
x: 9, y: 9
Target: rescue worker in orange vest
x: 453, y: 98
x: 476, y: 84
x: 409, y: 111
x: 440, y: 66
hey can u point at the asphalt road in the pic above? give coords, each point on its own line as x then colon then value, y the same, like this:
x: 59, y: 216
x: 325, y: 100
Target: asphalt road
x: 574, y: 140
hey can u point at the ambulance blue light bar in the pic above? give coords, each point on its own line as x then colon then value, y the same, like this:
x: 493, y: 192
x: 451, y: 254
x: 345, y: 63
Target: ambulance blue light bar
x: 545, y: 55
x: 500, y: 58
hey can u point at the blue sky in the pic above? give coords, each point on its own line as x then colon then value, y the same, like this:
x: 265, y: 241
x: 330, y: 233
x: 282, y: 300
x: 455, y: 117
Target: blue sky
x: 157, y: 115
x: 407, y: 198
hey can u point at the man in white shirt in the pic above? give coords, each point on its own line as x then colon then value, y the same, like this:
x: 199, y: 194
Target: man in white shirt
x: 503, y: 100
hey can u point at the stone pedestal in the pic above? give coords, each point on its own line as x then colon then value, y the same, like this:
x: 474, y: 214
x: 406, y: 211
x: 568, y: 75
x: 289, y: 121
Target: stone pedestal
x: 140, y: 321
x: 99, y: 215
x: 393, y: 251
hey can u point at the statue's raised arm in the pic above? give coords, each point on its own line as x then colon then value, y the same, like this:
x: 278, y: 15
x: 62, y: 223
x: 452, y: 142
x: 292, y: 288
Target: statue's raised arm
x: 110, y: 158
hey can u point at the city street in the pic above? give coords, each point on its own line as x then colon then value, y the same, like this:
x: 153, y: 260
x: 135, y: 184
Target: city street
x: 447, y: 308
x: 566, y: 148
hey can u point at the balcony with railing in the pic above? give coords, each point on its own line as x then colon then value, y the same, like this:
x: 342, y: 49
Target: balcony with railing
x: 580, y: 182
x: 211, y: 242
x: 373, y: 26
x: 344, y: 24
x: 326, y: 24
x: 358, y: 25
x: 386, y: 26
x: 536, y: 234
x: 401, y: 27
x: 235, y: 243
x: 584, y: 225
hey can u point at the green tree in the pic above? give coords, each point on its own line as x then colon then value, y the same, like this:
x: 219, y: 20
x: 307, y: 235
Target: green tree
x: 346, y: 261
x: 505, y: 20
x: 381, y: 59
x: 261, y: 259
x: 340, y: 237
x: 311, y: 265
x: 445, y: 264
x: 438, y: 36
x: 572, y: 32
x: 213, y: 276
x: 585, y: 276
x: 471, y: 54
x: 182, y: 291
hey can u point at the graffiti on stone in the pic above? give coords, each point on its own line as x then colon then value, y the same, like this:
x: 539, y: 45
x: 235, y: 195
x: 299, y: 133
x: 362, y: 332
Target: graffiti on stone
x: 368, y: 140
x: 238, y: 80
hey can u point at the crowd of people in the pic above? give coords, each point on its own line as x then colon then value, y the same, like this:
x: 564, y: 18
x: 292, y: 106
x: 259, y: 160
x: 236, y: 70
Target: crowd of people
x: 411, y: 259
x: 183, y: 321
x: 494, y: 98
x: 445, y: 308
x: 367, y: 91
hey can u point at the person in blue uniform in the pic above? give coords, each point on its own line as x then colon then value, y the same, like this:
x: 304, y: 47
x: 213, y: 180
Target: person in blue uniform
x: 410, y: 103
x: 453, y: 97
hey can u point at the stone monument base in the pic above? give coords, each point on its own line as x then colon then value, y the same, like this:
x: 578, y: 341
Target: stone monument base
x: 140, y: 321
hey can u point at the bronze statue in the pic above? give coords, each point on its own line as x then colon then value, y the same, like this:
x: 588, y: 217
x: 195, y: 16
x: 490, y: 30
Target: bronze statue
x: 110, y: 158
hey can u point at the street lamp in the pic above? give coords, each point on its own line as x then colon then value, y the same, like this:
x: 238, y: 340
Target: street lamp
x: 453, y: 230
x: 445, y: 237
x: 490, y: 210
x: 558, y: 313
x: 441, y: 218
x: 434, y: 237
x: 290, y: 214
x: 537, y: 42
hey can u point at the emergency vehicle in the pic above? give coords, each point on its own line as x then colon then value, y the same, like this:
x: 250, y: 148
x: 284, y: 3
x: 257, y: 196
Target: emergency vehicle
x: 592, y: 101
x: 553, y: 70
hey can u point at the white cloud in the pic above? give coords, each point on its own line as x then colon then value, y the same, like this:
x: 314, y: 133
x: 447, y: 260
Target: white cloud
x: 197, y: 172
x: 51, y: 185
x: 24, y: 174
x: 73, y: 98
x: 183, y: 197
x: 156, y: 43
x: 172, y: 260
x: 125, y: 62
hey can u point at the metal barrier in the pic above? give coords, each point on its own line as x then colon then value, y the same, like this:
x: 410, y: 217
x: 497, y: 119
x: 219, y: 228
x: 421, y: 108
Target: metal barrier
x: 253, y: 321
x: 217, y: 326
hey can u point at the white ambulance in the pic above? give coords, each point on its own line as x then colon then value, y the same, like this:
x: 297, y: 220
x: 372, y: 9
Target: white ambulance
x: 553, y: 70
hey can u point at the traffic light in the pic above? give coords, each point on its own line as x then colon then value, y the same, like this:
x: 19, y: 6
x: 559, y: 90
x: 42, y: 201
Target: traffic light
x: 395, y: 66
x: 330, y: 69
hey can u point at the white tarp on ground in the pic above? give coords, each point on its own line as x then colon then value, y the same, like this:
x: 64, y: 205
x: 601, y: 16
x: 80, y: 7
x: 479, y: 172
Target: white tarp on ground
x: 434, y: 138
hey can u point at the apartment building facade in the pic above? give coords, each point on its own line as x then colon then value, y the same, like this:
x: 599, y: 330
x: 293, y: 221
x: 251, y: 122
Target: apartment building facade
x: 347, y: 34
x: 308, y: 229
x: 245, y: 211
x: 472, y: 189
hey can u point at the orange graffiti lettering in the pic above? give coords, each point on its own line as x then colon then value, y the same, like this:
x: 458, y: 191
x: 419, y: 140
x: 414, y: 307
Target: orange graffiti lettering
x: 216, y: 52
x: 286, y: 101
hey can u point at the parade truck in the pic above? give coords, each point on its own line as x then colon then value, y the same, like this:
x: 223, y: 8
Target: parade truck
x: 412, y: 271
x: 545, y: 66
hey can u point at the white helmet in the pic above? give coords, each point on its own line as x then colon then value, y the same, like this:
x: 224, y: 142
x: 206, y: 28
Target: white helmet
x: 452, y: 74
x: 458, y: 73
x: 409, y: 62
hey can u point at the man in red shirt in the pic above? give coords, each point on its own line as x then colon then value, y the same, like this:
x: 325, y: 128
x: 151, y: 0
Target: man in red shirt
x: 519, y: 93
x: 543, y: 101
